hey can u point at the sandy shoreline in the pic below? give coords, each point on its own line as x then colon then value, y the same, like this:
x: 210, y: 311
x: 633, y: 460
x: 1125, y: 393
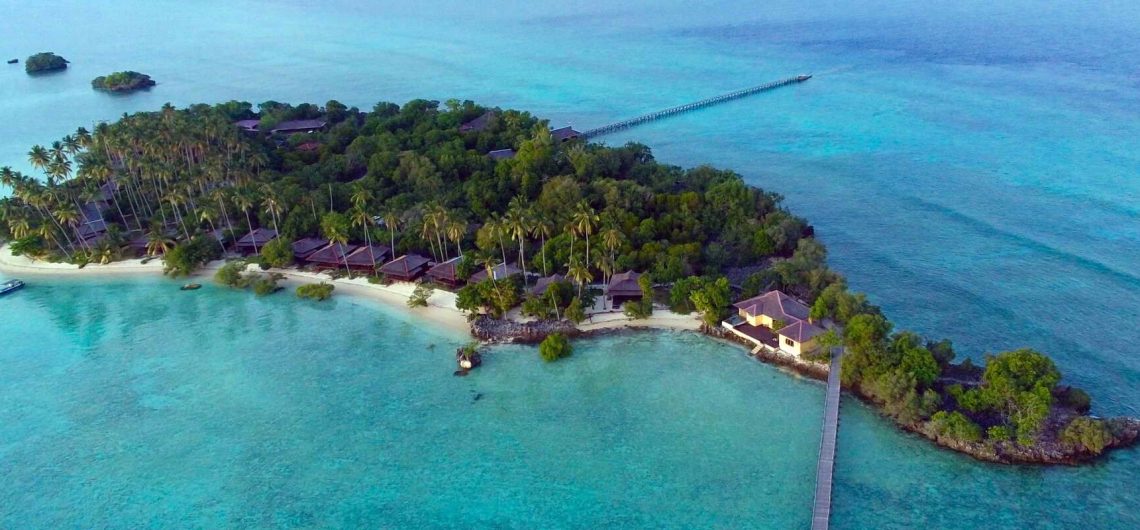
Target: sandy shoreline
x: 441, y: 308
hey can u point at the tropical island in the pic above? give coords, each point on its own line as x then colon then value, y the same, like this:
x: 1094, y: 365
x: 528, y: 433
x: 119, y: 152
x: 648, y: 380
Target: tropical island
x: 44, y: 62
x: 126, y: 81
x: 532, y: 233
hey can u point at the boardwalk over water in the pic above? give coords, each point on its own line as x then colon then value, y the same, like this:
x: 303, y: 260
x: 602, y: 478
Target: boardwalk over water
x: 606, y: 129
x: 821, y: 514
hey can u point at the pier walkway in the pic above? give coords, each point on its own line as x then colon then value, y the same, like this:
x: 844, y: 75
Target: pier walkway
x: 821, y: 513
x: 680, y: 109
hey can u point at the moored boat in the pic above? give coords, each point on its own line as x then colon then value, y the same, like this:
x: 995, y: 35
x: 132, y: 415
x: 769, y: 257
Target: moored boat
x: 13, y: 61
x: 191, y: 287
x: 10, y: 285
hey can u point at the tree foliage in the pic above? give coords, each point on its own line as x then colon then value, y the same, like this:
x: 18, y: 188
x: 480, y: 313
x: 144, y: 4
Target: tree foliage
x: 555, y: 346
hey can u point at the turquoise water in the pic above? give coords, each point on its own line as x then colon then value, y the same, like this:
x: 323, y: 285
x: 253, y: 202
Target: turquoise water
x: 971, y: 166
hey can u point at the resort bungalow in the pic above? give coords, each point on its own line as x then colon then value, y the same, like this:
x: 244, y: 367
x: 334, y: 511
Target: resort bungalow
x: 249, y: 126
x: 544, y: 283
x: 498, y: 272
x: 298, y: 126
x: 302, y: 248
x: 252, y: 242
x: 480, y: 123
x: 564, y: 134
x: 776, y: 321
x: 501, y: 154
x: 331, y: 256
x: 405, y: 268
x: 446, y: 273
x: 623, y: 287
x: 368, y: 257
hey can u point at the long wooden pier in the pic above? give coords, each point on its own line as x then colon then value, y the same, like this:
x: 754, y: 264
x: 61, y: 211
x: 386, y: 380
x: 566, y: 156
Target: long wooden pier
x: 821, y: 515
x: 680, y: 109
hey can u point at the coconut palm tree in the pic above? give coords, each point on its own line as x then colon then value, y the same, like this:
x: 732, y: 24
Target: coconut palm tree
x: 245, y: 201
x: 580, y: 273
x: 456, y: 229
x: 612, y: 239
x: 334, y: 226
x: 272, y: 205
x: 39, y: 157
x: 496, y: 227
x: 517, y: 225
x: 361, y: 218
x: 585, y: 219
x: 392, y: 223
x: 157, y: 242
x: 542, y: 227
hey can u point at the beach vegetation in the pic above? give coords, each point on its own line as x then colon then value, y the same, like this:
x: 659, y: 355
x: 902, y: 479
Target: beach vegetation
x: 277, y: 253
x: 315, y: 291
x: 956, y: 426
x: 555, y: 346
x: 574, y: 312
x: 266, y: 284
x: 186, y: 257
x: 230, y: 274
x: 1087, y: 433
x: 44, y: 62
x: 420, y: 295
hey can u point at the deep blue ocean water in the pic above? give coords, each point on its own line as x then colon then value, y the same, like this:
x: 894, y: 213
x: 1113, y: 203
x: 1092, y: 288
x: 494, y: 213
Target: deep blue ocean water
x: 973, y: 167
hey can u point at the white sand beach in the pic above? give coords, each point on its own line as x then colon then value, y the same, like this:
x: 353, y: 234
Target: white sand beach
x: 441, y: 308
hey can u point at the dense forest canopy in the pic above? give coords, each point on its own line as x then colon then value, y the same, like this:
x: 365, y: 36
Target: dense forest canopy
x: 411, y: 177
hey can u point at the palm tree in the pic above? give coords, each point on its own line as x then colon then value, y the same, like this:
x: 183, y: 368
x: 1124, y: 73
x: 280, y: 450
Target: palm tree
x: 208, y: 214
x: 584, y: 220
x: 580, y: 273
x: 272, y: 205
x: 495, y: 228
x: 606, y: 265
x: 456, y: 229
x: 245, y: 202
x: 517, y: 225
x: 542, y: 227
x: 335, y: 228
x: 362, y: 219
x: 157, y: 242
x: 39, y: 158
x: 392, y: 223
x: 612, y: 239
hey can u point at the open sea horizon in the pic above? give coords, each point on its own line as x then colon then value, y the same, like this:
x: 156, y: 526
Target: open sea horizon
x: 972, y: 167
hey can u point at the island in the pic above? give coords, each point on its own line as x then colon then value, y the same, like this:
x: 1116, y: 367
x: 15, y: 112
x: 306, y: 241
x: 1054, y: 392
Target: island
x: 528, y: 232
x: 44, y: 62
x: 126, y: 81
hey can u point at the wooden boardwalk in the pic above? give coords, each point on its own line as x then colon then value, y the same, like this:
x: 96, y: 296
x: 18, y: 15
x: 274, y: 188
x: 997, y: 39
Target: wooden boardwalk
x: 821, y: 515
x: 606, y: 129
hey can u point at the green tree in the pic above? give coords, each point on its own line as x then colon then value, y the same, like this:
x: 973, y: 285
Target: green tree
x: 1090, y: 434
x: 574, y: 311
x: 315, y: 291
x: 712, y: 301
x: 277, y: 253
x: 555, y: 346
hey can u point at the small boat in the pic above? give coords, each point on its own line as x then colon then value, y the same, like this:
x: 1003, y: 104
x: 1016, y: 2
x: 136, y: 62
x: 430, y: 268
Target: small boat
x: 10, y: 285
x: 13, y: 61
x: 191, y: 287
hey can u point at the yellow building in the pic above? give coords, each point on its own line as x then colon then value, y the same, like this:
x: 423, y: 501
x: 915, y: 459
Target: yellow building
x: 776, y: 313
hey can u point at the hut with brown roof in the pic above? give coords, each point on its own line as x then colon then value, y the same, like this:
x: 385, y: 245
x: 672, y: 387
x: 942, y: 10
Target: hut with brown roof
x: 248, y: 125
x: 252, y: 242
x: 368, y: 257
x: 331, y: 256
x: 308, y: 245
x: 446, y: 273
x: 623, y: 287
x: 544, y: 283
x: 564, y: 134
x: 501, y: 271
x: 405, y: 268
x: 299, y: 126
x: 478, y: 124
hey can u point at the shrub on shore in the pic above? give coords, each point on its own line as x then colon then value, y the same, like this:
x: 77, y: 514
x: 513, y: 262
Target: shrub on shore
x: 316, y: 291
x: 420, y: 296
x: 555, y: 346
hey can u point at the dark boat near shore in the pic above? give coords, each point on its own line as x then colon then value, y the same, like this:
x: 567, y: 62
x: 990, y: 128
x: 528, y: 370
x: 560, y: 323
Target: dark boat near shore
x: 191, y: 287
x: 10, y: 285
x: 13, y: 61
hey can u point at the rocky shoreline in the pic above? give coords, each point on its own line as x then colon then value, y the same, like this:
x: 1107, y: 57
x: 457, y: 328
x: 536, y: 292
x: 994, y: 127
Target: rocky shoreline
x: 1049, y: 450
